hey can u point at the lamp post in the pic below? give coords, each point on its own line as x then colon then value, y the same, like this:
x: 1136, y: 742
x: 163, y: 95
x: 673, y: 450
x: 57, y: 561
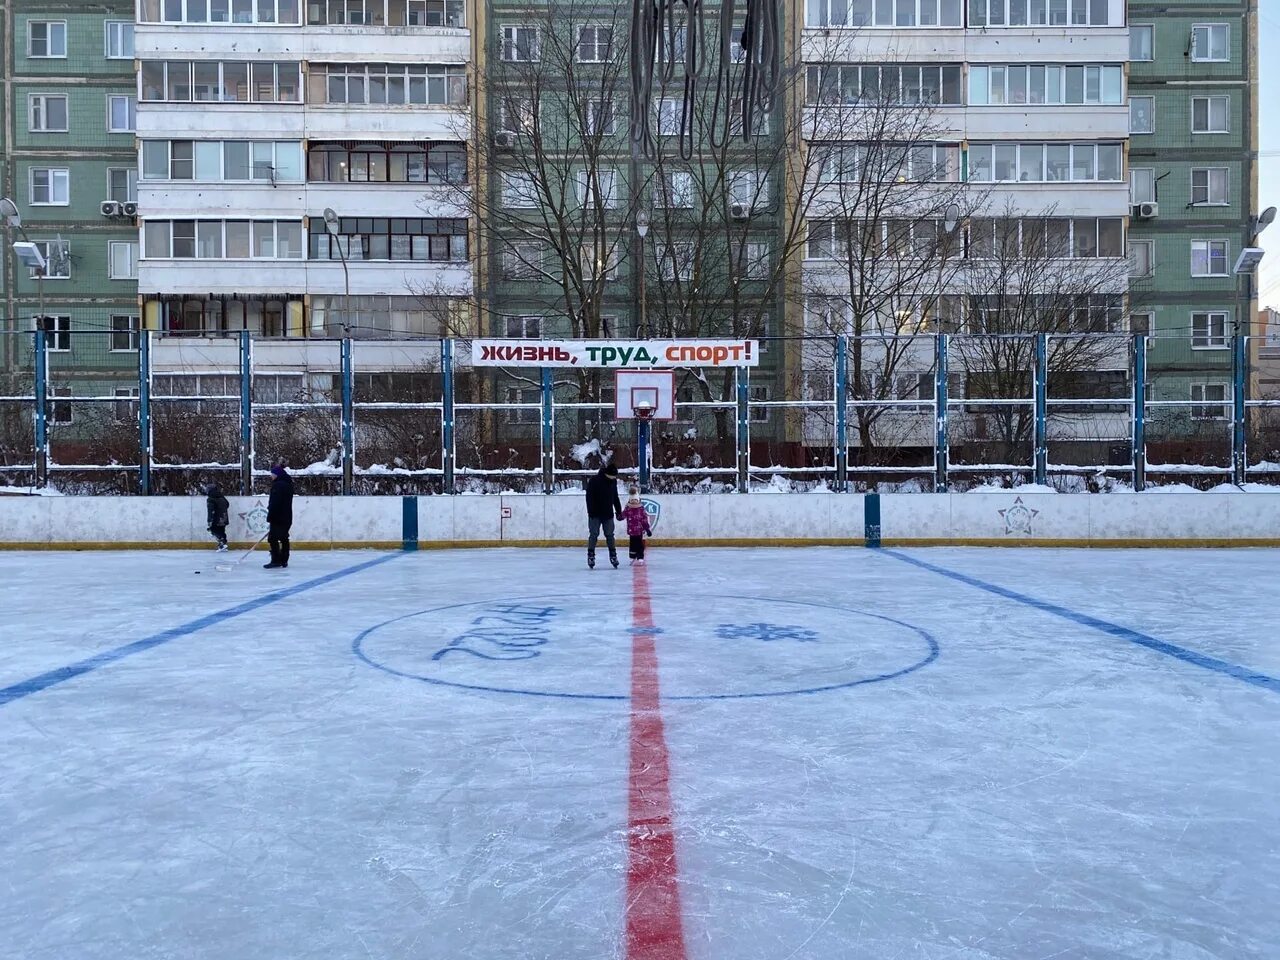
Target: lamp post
x: 27, y: 252
x: 331, y: 226
x: 642, y: 230
x: 29, y: 255
x: 1246, y: 266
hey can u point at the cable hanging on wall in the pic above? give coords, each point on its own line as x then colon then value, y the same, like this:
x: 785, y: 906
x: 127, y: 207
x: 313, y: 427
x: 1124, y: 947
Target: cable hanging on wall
x: 657, y: 29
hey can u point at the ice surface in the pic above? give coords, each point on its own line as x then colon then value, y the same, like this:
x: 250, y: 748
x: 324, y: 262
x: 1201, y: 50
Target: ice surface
x: 319, y: 776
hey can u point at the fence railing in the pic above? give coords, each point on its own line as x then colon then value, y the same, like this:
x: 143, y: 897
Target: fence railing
x: 114, y: 411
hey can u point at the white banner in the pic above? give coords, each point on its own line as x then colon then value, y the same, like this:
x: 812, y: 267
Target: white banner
x: 615, y: 354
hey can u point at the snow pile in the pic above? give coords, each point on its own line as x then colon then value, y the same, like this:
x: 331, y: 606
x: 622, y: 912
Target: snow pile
x: 29, y: 492
x: 581, y: 452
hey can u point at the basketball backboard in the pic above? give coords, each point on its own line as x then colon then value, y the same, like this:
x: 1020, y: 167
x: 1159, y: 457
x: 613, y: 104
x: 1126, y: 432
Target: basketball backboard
x: 654, y: 389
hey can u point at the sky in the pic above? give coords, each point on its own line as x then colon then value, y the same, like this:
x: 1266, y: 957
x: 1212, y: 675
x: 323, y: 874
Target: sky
x: 1269, y: 170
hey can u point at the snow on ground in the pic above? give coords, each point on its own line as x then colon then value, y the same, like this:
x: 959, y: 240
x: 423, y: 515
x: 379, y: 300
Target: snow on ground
x: 428, y: 756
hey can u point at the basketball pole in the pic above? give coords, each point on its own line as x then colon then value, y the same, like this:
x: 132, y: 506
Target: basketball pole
x: 642, y: 452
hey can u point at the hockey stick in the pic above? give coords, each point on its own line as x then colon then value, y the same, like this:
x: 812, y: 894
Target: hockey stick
x: 228, y: 567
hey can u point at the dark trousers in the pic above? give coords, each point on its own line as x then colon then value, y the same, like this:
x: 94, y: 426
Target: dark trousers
x: 595, y: 525
x: 278, y: 539
x: 219, y: 531
x: 636, y: 547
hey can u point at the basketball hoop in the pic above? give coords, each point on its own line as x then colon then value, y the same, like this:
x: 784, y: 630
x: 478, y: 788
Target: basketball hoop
x: 644, y: 410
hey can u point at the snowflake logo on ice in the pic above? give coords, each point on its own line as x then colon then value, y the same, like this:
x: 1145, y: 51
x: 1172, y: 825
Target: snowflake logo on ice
x: 256, y: 519
x: 768, y: 632
x: 1017, y: 519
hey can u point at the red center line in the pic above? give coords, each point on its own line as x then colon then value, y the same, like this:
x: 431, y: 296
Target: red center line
x: 655, y: 928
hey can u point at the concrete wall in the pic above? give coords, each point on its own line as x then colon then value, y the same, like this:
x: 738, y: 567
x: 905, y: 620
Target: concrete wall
x: 905, y: 519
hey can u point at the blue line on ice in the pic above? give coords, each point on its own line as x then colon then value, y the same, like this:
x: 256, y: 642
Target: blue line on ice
x: 54, y: 677
x: 1114, y: 629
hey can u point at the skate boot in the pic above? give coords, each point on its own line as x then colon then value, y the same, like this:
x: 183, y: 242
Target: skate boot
x: 591, y: 561
x: 613, y: 558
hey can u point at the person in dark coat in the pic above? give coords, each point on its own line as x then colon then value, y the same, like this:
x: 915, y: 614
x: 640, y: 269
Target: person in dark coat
x: 279, y: 517
x: 219, y: 514
x: 603, y: 506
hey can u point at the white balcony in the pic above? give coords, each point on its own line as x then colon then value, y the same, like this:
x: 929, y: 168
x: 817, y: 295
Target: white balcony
x: 342, y: 122
x: 295, y: 121
x: 957, y: 45
x: 353, y: 44
x: 1056, y: 122
x: 393, y: 278
x: 295, y: 200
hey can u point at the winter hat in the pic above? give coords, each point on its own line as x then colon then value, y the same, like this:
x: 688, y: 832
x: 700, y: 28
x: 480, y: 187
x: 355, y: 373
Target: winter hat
x: 634, y: 493
x: 610, y: 470
x: 277, y: 471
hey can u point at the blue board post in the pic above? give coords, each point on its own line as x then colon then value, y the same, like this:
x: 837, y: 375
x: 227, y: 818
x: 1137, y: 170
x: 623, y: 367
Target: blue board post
x: 1042, y: 410
x: 1239, y: 398
x: 842, y: 414
x: 348, y: 417
x: 246, y: 414
x: 40, y: 360
x: 144, y: 413
x: 742, y: 379
x: 446, y: 413
x: 871, y: 512
x: 1139, y: 411
x: 941, y: 443
x: 409, y: 522
x: 548, y: 432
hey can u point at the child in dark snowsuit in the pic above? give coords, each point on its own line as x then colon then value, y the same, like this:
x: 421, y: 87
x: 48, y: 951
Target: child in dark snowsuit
x: 637, y: 526
x: 219, y: 512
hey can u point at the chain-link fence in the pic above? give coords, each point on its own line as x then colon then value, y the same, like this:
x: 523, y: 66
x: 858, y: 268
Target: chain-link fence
x: 117, y: 412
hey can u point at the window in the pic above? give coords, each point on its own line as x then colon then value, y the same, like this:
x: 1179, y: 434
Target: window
x: 522, y: 328
x: 61, y: 412
x: 122, y: 114
x: 57, y: 260
x: 1208, y: 258
x: 863, y: 13
x: 1209, y: 401
x: 233, y: 11
x: 596, y: 187
x: 1036, y: 13
x: 519, y: 44
x: 749, y: 188
x: 902, y: 84
x: 518, y: 115
x: 522, y: 260
x: 125, y: 408
x: 598, y: 262
x: 378, y: 162
x: 532, y: 413
x: 1142, y: 114
x: 595, y: 44
x: 1141, y: 42
x: 1016, y: 84
x: 50, y: 187
x: 229, y: 160
x: 224, y: 239
x: 122, y: 184
x: 1141, y: 258
x: 884, y: 161
x: 58, y: 335
x: 124, y: 334
x: 46, y: 38
x: 1211, y: 42
x: 759, y: 395
x: 232, y: 81
x: 1210, y: 114
x: 675, y: 260
x: 519, y: 191
x: 670, y: 113
x: 119, y: 41
x: 674, y: 190
x: 1209, y: 330
x: 122, y: 260
x: 1044, y: 162
x: 46, y: 113
x: 1142, y: 185
x: 755, y: 261
x: 600, y: 118
x: 419, y: 239
x: 395, y: 84
x: 1209, y: 186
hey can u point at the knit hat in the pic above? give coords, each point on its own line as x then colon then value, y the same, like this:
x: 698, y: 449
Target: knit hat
x: 277, y: 471
x: 610, y: 470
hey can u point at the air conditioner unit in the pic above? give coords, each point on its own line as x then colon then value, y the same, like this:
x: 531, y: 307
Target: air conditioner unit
x: 129, y: 209
x: 739, y: 211
x: 1146, y: 211
x: 110, y: 208
x: 504, y: 139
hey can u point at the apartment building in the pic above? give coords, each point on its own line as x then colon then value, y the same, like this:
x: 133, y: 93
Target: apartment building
x: 1193, y: 174
x: 304, y: 166
x: 69, y: 166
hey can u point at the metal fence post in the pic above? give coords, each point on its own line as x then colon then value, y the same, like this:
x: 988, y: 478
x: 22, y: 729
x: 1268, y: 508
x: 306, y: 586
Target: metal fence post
x: 446, y: 414
x: 246, y: 414
x: 144, y: 413
x: 548, y: 433
x: 842, y: 414
x: 940, y: 442
x: 1042, y: 410
x: 1239, y: 396
x: 40, y: 362
x: 348, y: 417
x: 1139, y: 411
x: 742, y: 380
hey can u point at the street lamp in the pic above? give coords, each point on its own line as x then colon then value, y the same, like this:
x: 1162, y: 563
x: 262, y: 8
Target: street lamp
x: 28, y: 253
x: 331, y: 225
x: 642, y: 230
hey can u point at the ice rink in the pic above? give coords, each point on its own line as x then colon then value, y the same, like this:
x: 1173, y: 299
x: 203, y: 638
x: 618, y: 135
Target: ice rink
x: 772, y: 754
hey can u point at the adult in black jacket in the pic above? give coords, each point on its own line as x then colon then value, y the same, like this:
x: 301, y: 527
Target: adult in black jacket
x: 279, y: 517
x: 603, y: 506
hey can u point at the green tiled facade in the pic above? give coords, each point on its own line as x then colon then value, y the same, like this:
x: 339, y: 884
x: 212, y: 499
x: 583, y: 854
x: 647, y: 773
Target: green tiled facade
x: 1170, y: 296
x: 87, y: 150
